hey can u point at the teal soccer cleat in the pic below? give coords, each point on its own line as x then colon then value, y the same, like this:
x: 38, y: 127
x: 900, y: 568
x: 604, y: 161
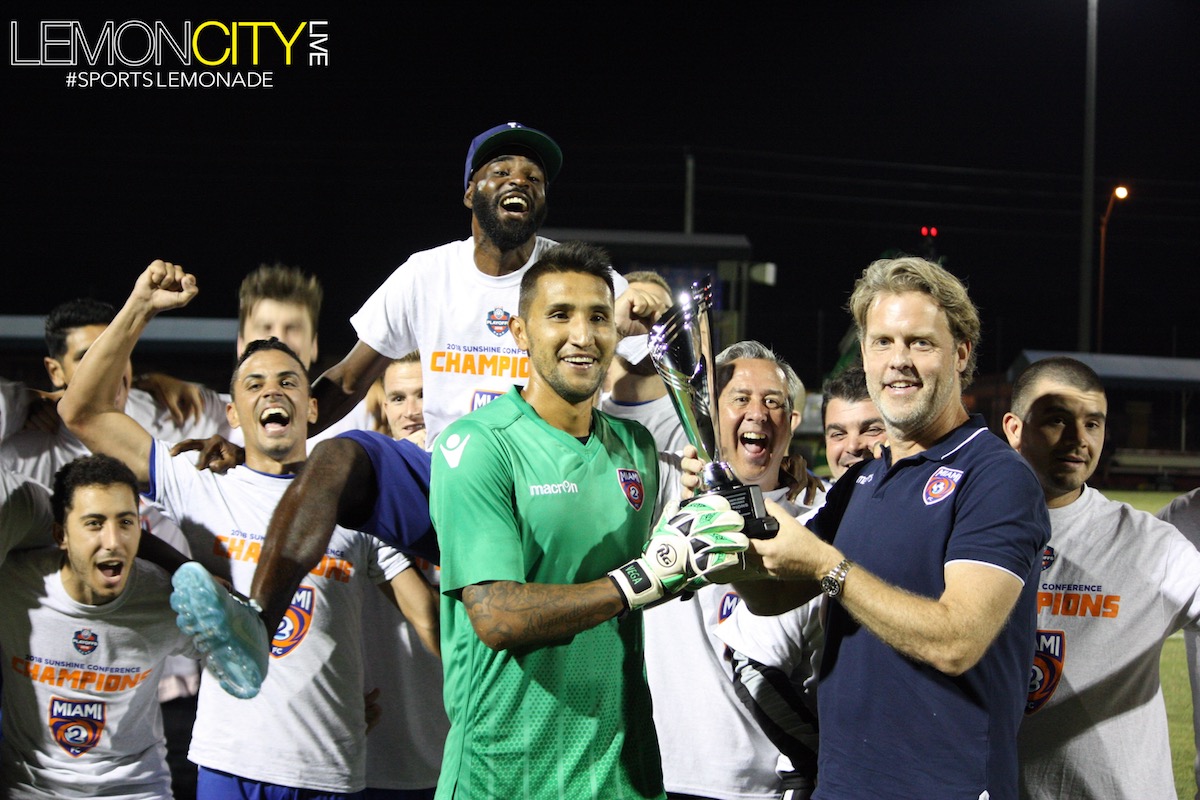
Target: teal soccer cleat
x: 224, y: 627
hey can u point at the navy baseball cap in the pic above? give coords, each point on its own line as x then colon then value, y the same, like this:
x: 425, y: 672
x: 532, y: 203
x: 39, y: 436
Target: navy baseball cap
x: 493, y: 141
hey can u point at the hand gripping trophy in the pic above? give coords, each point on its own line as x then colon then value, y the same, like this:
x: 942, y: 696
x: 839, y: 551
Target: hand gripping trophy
x: 681, y: 348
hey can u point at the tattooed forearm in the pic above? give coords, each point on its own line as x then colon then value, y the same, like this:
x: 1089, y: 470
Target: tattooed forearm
x: 507, y: 615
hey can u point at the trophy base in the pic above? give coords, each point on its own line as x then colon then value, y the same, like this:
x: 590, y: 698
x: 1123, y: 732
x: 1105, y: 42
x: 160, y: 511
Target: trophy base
x: 747, y: 501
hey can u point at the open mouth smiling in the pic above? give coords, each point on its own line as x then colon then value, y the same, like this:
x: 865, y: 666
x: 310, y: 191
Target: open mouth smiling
x: 111, y: 568
x: 274, y: 419
x: 903, y: 386
x: 754, y: 442
x: 514, y: 203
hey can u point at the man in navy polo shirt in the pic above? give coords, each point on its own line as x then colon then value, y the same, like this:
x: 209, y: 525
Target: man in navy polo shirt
x: 928, y: 556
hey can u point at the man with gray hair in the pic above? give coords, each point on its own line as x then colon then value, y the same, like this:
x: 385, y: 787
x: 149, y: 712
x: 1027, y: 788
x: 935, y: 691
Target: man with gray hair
x: 759, y: 400
x: 775, y: 658
x: 929, y: 554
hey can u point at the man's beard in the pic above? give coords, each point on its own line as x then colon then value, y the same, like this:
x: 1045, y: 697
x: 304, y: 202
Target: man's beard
x: 570, y: 393
x: 506, y: 234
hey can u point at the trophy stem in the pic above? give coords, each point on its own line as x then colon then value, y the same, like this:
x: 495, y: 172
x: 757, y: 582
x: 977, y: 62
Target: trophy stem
x: 706, y: 348
x: 716, y: 475
x: 681, y: 345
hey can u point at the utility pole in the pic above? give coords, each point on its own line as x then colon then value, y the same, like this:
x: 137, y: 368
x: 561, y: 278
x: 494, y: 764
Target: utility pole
x: 1088, y: 212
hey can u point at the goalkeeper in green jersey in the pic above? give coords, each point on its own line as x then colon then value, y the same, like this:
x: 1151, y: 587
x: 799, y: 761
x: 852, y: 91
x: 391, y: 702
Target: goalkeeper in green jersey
x: 539, y: 501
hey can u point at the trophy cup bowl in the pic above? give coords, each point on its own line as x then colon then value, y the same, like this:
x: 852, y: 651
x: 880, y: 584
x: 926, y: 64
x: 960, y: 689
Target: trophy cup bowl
x: 681, y: 348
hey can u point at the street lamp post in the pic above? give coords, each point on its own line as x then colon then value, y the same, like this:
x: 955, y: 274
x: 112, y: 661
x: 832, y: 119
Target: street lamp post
x: 1119, y: 193
x: 1087, y: 218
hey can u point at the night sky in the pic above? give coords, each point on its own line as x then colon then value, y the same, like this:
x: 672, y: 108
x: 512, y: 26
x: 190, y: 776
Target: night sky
x: 827, y: 135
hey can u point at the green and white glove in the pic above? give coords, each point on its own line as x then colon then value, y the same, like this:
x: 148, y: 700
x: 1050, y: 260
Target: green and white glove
x: 703, y: 538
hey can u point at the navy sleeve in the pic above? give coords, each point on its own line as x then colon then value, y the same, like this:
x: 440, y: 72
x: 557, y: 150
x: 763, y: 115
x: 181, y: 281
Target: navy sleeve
x: 827, y: 519
x: 401, y: 514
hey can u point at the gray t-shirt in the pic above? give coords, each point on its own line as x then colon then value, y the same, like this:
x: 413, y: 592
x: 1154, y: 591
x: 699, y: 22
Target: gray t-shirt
x: 1115, y: 583
x: 1184, y: 513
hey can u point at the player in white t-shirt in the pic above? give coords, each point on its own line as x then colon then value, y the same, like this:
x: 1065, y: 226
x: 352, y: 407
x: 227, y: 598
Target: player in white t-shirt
x: 305, y: 730
x: 25, y: 516
x: 285, y: 303
x: 40, y: 451
x: 404, y: 751
x: 84, y: 631
x: 453, y: 303
x: 1114, y: 583
x: 1184, y: 513
x: 281, y: 302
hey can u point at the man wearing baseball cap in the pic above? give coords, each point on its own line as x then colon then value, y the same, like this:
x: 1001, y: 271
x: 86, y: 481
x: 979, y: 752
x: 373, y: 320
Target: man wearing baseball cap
x: 453, y: 303
x: 513, y: 137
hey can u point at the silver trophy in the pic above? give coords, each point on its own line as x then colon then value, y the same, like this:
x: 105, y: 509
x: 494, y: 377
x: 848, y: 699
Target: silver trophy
x: 681, y: 347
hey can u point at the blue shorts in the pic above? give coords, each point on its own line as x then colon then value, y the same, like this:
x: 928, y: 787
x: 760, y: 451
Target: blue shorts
x: 216, y: 785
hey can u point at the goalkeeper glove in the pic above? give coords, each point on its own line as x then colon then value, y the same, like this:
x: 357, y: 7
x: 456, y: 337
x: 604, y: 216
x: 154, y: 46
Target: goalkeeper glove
x: 703, y: 538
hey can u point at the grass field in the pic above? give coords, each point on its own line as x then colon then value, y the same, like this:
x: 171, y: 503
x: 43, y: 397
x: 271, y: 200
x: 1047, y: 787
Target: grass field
x: 1178, y: 695
x: 1176, y: 690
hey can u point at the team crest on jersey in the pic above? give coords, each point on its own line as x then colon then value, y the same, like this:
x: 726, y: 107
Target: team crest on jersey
x: 76, y: 726
x: 497, y: 321
x: 1047, y: 669
x: 941, y: 485
x: 1048, y: 556
x: 295, y: 624
x: 631, y: 484
x: 86, y: 641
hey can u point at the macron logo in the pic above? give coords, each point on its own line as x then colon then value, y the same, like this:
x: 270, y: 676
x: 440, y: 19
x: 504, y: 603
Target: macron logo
x: 565, y: 487
x: 453, y: 448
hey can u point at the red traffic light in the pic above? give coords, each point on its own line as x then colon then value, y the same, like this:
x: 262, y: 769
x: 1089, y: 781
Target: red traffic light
x: 928, y: 231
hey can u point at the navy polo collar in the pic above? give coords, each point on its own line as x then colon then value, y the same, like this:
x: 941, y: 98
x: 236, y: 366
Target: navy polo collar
x: 952, y: 442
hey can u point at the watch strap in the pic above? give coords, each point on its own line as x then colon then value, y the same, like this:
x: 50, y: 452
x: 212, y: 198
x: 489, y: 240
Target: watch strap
x: 835, y: 580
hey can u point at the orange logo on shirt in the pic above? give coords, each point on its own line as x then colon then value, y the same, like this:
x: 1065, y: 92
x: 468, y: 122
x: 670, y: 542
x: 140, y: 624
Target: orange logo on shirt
x: 1079, y: 604
x: 238, y: 549
x: 78, y: 679
x: 296, y: 623
x: 1048, y: 660
x: 76, y: 726
x: 499, y: 366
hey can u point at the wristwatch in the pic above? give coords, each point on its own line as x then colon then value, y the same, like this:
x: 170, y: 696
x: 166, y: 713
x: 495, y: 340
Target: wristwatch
x: 835, y: 580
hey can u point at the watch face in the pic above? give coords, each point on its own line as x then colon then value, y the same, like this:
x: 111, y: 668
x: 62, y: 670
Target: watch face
x: 831, y: 586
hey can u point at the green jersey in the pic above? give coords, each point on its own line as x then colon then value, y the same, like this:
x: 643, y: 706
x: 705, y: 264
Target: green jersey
x: 515, y: 499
